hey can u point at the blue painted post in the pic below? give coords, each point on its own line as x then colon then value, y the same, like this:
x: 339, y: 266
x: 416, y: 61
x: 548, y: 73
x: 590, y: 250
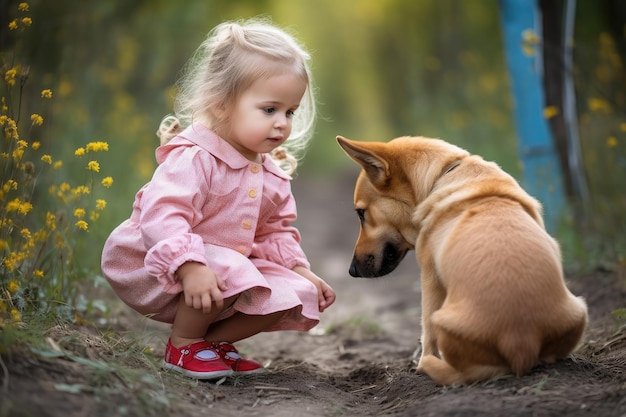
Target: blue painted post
x: 541, y: 173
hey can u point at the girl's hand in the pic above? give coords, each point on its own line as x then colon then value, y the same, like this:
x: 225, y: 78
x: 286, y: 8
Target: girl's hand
x: 325, y: 294
x: 201, y: 287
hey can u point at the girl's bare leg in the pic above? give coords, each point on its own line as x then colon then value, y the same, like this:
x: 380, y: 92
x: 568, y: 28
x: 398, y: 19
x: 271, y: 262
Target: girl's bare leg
x: 190, y: 324
x: 241, y: 326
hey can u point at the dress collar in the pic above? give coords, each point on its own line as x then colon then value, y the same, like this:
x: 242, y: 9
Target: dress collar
x: 224, y: 151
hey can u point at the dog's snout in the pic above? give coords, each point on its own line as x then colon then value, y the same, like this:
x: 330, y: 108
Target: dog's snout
x: 363, y: 267
x: 353, y: 270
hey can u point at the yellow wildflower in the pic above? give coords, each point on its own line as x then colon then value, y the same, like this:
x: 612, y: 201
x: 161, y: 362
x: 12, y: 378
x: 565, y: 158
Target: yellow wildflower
x: 93, y: 166
x: 15, y: 315
x: 10, y: 129
x: 4, y: 245
x: 38, y: 273
x: 107, y: 182
x: 13, y: 205
x: 79, y: 152
x: 41, y: 236
x: 51, y: 221
x: 13, y: 286
x: 9, y: 76
x: 18, y: 153
x: 97, y: 146
x: 11, y: 132
x: 81, y: 189
x: 27, y: 21
x: 57, y: 164
x: 65, y: 187
x: 550, y: 112
x: 9, y: 263
x: 598, y: 104
x: 81, y: 224
x: 25, y: 207
x: 100, y: 204
x: 25, y: 233
x: 47, y: 159
x: 530, y: 40
x: 94, y: 215
x: 10, y: 185
x: 22, y: 207
x: 36, y: 119
x: 47, y: 93
x: 611, y: 142
x: 79, y: 212
x: 13, y: 24
x: 23, y: 7
x: 531, y: 37
x: 28, y: 243
x: 35, y: 145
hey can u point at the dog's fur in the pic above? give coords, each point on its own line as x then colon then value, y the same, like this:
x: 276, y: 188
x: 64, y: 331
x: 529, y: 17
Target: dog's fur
x: 494, y: 300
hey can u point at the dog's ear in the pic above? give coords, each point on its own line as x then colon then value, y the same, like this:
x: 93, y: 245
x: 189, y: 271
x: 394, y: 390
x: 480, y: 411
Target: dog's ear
x: 365, y: 154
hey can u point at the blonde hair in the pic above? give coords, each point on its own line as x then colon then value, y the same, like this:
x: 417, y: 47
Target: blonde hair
x: 225, y: 65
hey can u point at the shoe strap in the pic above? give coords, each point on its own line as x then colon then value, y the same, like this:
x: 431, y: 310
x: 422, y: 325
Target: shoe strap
x: 188, y: 349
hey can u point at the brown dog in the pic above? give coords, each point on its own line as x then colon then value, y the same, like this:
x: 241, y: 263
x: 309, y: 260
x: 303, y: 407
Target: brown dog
x: 494, y: 301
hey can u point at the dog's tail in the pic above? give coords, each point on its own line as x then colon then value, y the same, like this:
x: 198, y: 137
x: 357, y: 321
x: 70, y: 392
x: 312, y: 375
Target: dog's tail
x: 521, y: 350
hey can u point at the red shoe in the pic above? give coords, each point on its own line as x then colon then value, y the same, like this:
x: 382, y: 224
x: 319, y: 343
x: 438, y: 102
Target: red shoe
x: 200, y: 360
x: 238, y: 363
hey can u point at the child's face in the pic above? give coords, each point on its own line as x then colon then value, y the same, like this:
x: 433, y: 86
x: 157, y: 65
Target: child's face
x: 262, y: 117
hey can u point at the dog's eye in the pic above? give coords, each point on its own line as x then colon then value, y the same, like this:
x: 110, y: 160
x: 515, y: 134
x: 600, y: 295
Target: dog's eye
x: 361, y: 214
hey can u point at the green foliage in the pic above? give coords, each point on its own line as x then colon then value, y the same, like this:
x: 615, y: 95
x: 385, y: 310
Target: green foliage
x: 43, y: 223
x: 599, y: 224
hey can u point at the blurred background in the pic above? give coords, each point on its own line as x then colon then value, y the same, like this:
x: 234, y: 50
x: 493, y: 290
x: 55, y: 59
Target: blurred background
x: 383, y: 68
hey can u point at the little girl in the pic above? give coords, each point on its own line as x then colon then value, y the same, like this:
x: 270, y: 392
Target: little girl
x: 210, y: 246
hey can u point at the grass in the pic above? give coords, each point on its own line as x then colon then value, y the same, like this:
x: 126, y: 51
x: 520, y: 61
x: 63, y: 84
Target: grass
x: 355, y: 327
x: 106, y: 365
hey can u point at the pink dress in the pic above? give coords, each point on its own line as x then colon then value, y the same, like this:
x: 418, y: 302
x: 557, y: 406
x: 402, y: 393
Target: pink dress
x: 207, y: 203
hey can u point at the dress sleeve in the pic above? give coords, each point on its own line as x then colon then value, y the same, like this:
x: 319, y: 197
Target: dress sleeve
x: 278, y: 240
x: 170, y: 207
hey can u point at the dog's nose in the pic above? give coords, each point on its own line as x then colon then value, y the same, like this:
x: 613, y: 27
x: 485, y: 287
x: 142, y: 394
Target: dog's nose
x: 352, y: 271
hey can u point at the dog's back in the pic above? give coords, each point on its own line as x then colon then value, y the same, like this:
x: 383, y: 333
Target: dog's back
x: 505, y: 293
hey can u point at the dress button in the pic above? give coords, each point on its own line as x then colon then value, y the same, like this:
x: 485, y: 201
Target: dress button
x: 246, y: 225
x: 254, y: 168
x: 252, y: 193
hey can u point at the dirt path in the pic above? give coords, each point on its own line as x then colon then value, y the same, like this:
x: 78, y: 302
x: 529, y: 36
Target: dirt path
x: 357, y: 362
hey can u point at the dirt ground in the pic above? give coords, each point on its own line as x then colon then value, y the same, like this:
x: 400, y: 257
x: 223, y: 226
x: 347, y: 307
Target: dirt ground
x: 357, y: 362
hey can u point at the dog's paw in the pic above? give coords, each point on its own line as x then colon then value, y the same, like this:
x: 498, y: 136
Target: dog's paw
x: 419, y: 368
x: 420, y: 371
